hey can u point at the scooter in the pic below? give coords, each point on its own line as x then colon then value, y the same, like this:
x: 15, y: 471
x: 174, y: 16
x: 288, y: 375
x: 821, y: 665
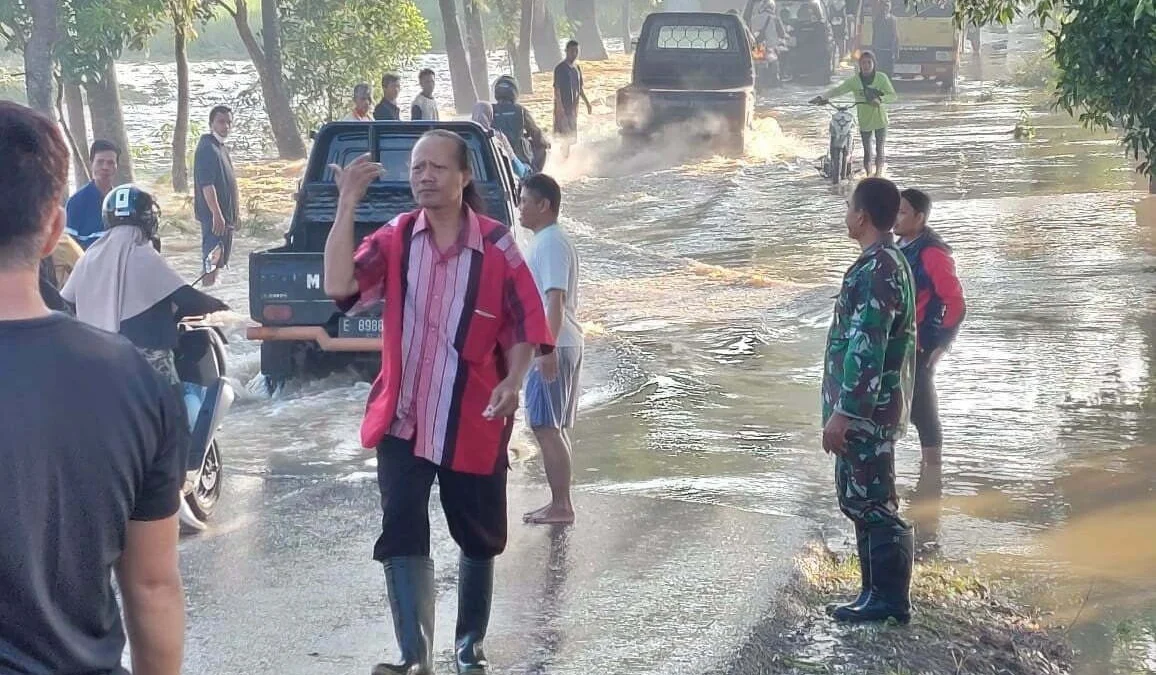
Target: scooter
x: 767, y: 68
x: 837, y: 165
x: 200, y: 360
x: 208, y: 396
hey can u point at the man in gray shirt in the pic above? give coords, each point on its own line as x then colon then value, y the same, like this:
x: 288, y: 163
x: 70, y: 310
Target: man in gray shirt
x: 552, y: 386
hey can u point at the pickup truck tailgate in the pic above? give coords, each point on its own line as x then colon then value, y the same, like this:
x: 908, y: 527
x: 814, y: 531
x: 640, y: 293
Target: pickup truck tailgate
x: 287, y: 289
x: 643, y: 108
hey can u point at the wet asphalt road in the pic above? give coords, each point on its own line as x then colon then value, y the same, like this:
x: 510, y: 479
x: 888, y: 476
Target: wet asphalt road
x: 285, y: 584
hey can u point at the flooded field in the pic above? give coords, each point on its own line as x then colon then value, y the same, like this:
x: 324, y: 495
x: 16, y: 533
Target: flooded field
x: 707, y: 292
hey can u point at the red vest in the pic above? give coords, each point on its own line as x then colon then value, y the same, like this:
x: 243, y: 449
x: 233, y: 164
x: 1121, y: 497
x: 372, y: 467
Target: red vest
x: 472, y: 444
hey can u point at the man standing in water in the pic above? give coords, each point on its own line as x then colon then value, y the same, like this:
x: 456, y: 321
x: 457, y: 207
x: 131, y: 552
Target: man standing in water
x: 462, y: 321
x: 885, y: 37
x: 552, y: 389
x: 866, y: 390
x: 568, y: 90
x: 871, y: 89
x: 387, y: 108
x: 86, y: 206
x: 94, y: 496
x: 215, y: 193
x: 939, y: 312
x: 424, y: 106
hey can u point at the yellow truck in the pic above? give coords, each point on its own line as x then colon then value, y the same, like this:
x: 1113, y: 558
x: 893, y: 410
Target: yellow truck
x: 929, y: 41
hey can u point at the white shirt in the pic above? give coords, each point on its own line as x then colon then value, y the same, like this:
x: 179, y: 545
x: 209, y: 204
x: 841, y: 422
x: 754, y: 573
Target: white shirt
x: 427, y: 106
x: 554, y: 262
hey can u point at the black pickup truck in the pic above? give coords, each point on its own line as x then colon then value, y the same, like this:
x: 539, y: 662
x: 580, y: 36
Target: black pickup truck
x: 692, y: 68
x: 302, y: 332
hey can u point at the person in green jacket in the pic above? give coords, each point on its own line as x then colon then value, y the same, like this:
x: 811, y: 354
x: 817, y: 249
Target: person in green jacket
x: 872, y: 89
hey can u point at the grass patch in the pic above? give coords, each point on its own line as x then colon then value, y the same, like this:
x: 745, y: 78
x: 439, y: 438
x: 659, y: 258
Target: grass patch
x: 960, y: 626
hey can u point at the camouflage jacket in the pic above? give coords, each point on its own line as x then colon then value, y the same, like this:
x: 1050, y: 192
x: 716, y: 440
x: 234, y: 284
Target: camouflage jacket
x: 870, y: 361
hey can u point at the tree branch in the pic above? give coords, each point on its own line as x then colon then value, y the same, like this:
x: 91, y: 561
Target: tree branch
x: 222, y: 3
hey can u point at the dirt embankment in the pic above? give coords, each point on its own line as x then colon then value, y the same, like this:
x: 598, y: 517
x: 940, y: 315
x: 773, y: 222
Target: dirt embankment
x: 960, y: 626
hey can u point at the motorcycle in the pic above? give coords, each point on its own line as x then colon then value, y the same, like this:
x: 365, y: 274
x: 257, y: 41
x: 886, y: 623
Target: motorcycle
x: 208, y: 396
x: 837, y: 165
x: 200, y: 361
x: 767, y: 68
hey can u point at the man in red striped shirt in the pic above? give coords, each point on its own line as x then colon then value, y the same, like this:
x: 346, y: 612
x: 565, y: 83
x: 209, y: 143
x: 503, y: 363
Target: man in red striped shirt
x: 939, y: 312
x: 462, y: 321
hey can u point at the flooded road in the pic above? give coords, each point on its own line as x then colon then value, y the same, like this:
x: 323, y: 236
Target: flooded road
x: 707, y: 292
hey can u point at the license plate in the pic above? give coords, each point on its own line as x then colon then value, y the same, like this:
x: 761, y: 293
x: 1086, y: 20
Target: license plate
x: 908, y: 68
x: 359, y: 327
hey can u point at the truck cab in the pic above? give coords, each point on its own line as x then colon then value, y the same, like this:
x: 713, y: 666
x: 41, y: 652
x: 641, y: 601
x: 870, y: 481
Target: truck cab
x: 302, y: 331
x: 693, y: 68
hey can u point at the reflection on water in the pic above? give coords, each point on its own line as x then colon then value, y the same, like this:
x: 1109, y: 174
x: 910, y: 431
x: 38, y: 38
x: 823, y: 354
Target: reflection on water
x: 708, y: 287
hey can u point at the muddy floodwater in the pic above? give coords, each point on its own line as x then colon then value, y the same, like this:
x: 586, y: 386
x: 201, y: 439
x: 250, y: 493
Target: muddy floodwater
x: 707, y: 291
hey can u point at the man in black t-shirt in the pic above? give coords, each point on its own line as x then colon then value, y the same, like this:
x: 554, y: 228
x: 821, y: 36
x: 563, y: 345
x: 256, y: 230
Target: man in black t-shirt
x: 568, y: 90
x: 387, y: 108
x: 98, y: 494
x: 215, y: 196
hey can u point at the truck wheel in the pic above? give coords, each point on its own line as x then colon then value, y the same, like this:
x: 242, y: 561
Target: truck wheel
x: 735, y: 144
x: 277, y: 363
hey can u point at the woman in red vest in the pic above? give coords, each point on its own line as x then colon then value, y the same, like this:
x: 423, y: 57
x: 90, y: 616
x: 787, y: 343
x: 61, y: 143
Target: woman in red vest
x: 462, y: 321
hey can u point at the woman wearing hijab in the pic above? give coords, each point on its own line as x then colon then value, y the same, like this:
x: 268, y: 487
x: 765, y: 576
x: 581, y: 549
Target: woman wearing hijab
x: 484, y: 116
x: 871, y: 89
x: 123, y: 285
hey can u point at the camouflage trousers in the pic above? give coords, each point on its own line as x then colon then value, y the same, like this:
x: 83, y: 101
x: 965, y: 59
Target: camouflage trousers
x: 865, y: 484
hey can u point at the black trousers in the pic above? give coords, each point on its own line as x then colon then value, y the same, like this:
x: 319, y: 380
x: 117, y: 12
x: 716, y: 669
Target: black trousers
x: 925, y: 403
x: 475, y: 506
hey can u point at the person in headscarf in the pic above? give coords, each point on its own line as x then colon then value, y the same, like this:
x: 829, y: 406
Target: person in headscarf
x: 872, y: 90
x: 123, y: 285
x: 483, y: 115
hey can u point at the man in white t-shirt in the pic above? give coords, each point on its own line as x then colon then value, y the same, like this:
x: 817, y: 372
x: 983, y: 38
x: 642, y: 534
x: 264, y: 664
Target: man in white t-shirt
x: 424, y: 106
x: 552, y: 386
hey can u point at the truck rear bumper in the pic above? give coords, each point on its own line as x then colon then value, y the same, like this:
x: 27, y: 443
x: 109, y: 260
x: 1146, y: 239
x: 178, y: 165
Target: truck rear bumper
x: 316, y: 334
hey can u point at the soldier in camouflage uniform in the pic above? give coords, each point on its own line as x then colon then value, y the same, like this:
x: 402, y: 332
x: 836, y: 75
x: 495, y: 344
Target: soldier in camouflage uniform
x: 867, y: 380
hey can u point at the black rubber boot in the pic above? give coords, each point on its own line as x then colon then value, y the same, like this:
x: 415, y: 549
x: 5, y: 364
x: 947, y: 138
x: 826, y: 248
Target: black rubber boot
x: 864, y: 571
x: 410, y: 581
x: 475, y: 595
x: 891, y: 558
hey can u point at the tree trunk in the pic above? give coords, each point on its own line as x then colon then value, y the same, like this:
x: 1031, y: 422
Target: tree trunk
x: 271, y: 36
x: 108, y: 118
x: 584, y: 15
x: 180, y: 173
x: 38, y: 58
x: 78, y: 127
x: 547, y: 52
x: 277, y: 107
x: 521, y: 54
x: 465, y: 93
x: 476, y: 45
x: 627, y: 39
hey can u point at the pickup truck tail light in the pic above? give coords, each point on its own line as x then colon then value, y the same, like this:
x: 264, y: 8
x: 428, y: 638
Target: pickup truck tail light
x: 277, y: 312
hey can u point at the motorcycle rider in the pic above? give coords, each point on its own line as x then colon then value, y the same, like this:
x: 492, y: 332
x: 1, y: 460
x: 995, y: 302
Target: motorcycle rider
x: 123, y: 285
x: 483, y: 115
x: 767, y: 26
x: 872, y: 89
x: 517, y: 124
